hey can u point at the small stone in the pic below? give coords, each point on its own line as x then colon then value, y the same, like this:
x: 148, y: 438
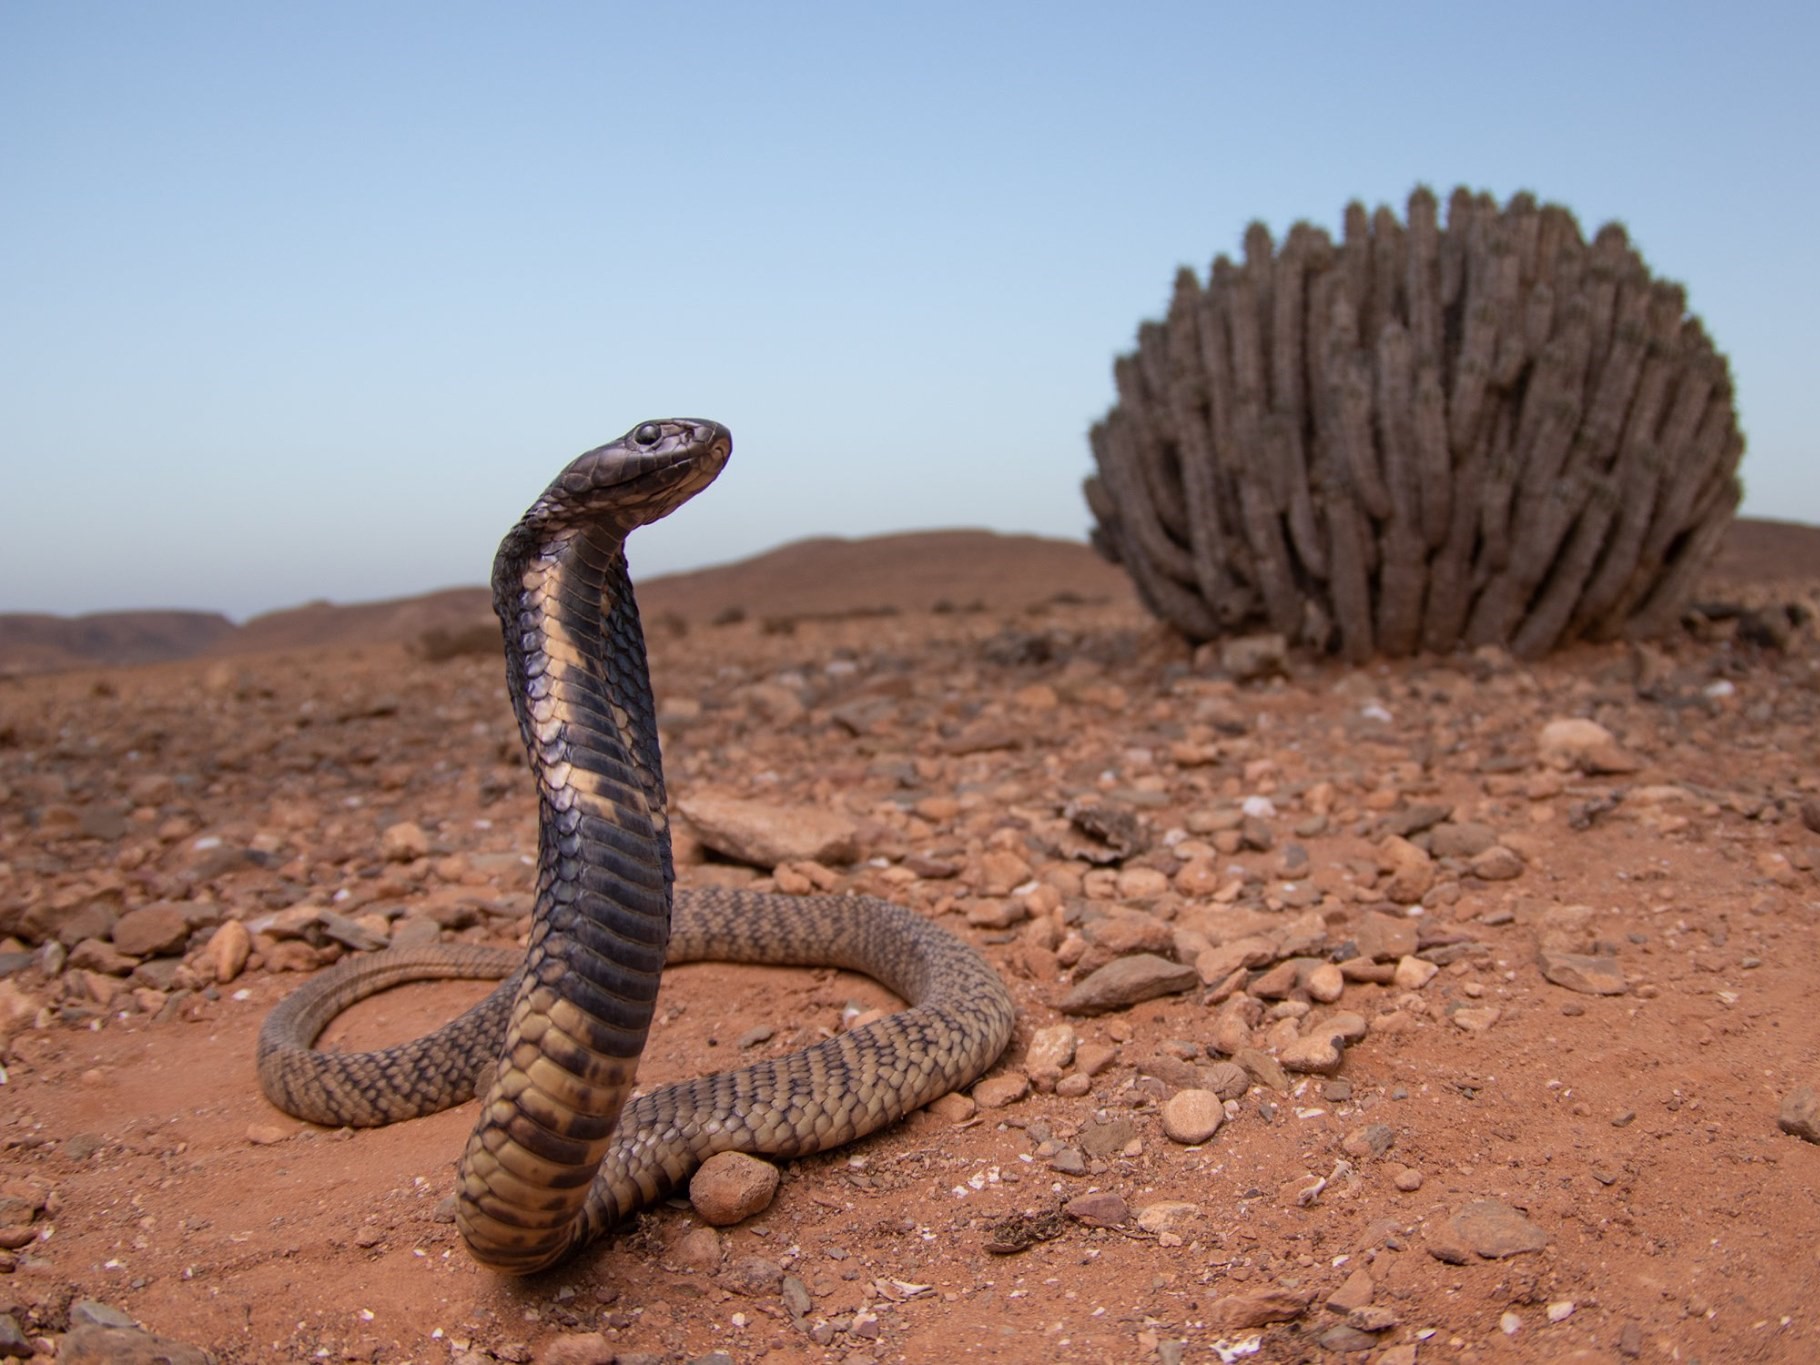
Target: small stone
x: 267, y: 1134
x: 1356, y: 1292
x: 13, y: 1343
x: 1320, y: 1055
x: 1385, y: 938
x: 1561, y: 1310
x: 731, y: 1186
x: 228, y: 949
x: 1372, y: 1140
x: 404, y: 842
x: 1324, y: 983
x: 1497, y: 864
x: 1476, y: 1018
x: 1462, y: 839
x: 995, y: 1092
x: 1108, y: 1138
x: 1260, y: 1308
x: 1101, y: 1209
x: 764, y: 834
x: 794, y: 1295
x: 997, y: 914
x: 753, y: 1276
x: 1582, y: 745
x: 1228, y: 1080
x: 1168, y: 1216
x: 94, y: 1313
x: 953, y: 1107
x: 1411, y: 871
x: 369, y: 1236
x: 1583, y: 972
x: 1263, y: 1068
x: 1495, y: 1230
x: 1407, y: 1179
x: 152, y: 930
x: 1192, y: 1116
x: 1800, y: 1113
x: 1372, y: 1318
x: 1001, y: 872
x: 1050, y: 1052
x: 1413, y: 973
x: 579, y: 1348
x: 1217, y: 963
x: 125, y: 1346
x: 1345, y: 1339
x: 1126, y: 982
x: 1250, y: 658
x: 699, y: 1249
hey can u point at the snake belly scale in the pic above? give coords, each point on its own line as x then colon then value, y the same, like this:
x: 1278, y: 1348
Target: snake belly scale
x: 561, y: 1148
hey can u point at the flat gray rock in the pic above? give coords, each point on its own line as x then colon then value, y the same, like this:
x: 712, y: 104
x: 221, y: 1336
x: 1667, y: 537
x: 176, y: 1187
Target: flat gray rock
x: 1126, y: 981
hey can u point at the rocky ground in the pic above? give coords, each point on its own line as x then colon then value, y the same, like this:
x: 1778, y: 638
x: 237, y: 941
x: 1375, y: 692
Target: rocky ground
x: 1450, y: 1010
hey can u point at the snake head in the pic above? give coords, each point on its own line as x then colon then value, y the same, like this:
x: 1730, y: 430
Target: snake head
x: 646, y: 474
x: 614, y: 489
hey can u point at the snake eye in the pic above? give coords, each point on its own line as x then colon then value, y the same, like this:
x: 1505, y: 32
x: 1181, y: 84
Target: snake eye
x: 648, y: 434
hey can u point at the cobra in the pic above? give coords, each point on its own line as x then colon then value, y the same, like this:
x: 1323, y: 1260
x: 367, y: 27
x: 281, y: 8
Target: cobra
x: 562, y: 1148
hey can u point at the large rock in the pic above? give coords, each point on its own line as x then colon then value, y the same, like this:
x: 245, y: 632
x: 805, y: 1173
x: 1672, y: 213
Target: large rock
x: 765, y: 833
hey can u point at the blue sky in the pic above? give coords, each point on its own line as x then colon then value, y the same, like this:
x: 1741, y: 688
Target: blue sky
x: 303, y: 301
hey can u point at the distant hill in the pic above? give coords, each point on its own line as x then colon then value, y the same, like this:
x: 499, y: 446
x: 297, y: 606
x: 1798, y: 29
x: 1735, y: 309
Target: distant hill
x: 31, y: 643
x: 906, y: 572
x: 915, y: 571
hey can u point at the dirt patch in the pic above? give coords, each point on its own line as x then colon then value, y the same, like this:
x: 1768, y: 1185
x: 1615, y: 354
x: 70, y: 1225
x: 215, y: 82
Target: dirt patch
x: 1637, y: 1131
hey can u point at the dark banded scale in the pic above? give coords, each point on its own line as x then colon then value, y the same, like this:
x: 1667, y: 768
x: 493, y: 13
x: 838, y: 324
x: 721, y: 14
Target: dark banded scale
x: 558, y: 1154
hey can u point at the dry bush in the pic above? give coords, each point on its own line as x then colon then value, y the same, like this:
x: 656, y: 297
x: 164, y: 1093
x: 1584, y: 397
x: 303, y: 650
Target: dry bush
x: 1488, y: 432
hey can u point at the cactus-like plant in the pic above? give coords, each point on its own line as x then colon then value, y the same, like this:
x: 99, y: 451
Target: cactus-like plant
x: 1488, y: 432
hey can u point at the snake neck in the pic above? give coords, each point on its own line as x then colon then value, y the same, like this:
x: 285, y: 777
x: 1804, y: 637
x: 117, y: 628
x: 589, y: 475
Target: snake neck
x: 575, y: 665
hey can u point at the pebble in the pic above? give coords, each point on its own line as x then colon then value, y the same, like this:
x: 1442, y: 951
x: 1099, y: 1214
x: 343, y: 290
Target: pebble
x: 1497, y: 864
x: 699, y: 1249
x: 1100, y: 1209
x: 1476, y: 1018
x: 1324, y: 983
x: 1356, y: 1292
x: 1407, y: 1179
x: 152, y: 930
x: 753, y: 1276
x: 1320, y: 1055
x: 1411, y: 871
x: 1050, y: 1052
x: 267, y: 1134
x: 1192, y: 1116
x: 1575, y: 744
x: 996, y: 1092
x: 1488, y: 1228
x: 228, y: 949
x: 1412, y: 973
x: 764, y: 834
x: 404, y: 842
x: 731, y: 1186
x: 580, y: 1348
x: 1259, y: 1308
x: 91, y: 1345
x: 1372, y: 1140
x: 1385, y: 938
x: 1168, y: 1217
x: 1582, y: 972
x: 953, y: 1107
x: 1800, y: 1113
x: 1128, y: 981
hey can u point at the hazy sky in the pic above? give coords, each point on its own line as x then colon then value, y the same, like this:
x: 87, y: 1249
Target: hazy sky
x: 310, y: 300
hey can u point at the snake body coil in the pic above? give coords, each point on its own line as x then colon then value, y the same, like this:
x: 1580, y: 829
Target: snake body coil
x: 558, y: 1154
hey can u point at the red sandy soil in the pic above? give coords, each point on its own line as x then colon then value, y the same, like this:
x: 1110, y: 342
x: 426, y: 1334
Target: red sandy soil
x: 1634, y: 1136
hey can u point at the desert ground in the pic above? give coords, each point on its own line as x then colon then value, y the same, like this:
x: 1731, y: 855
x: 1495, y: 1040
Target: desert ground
x: 1451, y: 1009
